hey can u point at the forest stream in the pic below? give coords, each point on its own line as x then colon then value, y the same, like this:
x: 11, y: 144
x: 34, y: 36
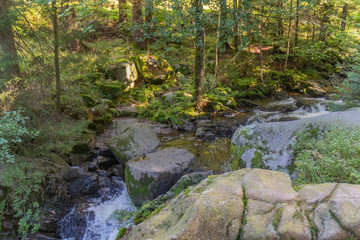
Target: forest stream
x: 95, y: 218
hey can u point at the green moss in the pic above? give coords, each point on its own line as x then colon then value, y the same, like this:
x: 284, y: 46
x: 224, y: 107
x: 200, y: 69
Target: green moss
x: 88, y: 100
x: 83, y: 143
x: 139, y: 190
x: 111, y: 89
x: 121, y: 233
x: 277, y: 217
x: 236, y: 153
x: 257, y: 161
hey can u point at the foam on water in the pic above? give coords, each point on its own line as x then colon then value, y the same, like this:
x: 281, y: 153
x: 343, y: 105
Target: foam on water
x: 100, y: 223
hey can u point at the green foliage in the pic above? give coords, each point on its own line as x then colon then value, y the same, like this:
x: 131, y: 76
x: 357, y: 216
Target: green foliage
x: 23, y: 179
x: 350, y: 89
x: 12, y: 131
x: 328, y: 155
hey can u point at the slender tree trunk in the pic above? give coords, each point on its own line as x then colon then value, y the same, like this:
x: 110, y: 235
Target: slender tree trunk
x: 344, y: 16
x: 261, y: 46
x: 149, y: 14
x: 222, y: 39
x: 137, y: 21
x: 199, y: 49
x: 324, y: 21
x: 7, y: 41
x: 297, y: 23
x: 236, y: 24
x: 280, y: 26
x: 288, y: 37
x: 56, y: 50
x: 122, y: 12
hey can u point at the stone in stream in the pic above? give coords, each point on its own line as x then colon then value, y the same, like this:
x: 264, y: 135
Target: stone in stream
x: 136, y: 140
x: 150, y: 176
x: 268, y: 145
x: 237, y: 205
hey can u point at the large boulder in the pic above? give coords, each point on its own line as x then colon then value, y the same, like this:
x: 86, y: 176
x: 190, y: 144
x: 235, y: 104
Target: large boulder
x: 268, y: 145
x: 124, y: 72
x: 150, y: 176
x: 153, y: 69
x: 255, y: 204
x: 136, y: 140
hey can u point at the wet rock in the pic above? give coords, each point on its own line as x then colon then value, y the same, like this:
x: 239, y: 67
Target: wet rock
x: 84, y: 144
x: 93, y: 167
x: 69, y: 174
x: 8, y: 236
x: 247, y: 103
x: 268, y: 145
x: 137, y: 139
x: 117, y: 171
x: 185, y: 125
x: 78, y: 159
x: 48, y: 220
x: 42, y: 236
x: 105, y: 162
x: 150, y: 176
x: 84, y: 185
x: 281, y: 94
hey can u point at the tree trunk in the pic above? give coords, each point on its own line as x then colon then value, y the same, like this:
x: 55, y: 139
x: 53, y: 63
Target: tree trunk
x: 288, y: 37
x: 137, y: 21
x: 324, y: 21
x: 7, y: 41
x: 344, y: 16
x: 149, y: 14
x: 199, y: 49
x: 236, y: 24
x: 222, y: 28
x: 297, y: 23
x: 56, y: 50
x: 122, y: 12
x: 262, y: 23
x: 280, y: 26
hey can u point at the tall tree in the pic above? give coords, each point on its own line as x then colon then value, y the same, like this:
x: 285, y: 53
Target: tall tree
x: 344, y: 16
x: 137, y: 21
x: 236, y: 9
x: 56, y: 51
x: 122, y: 12
x: 7, y: 41
x: 149, y: 14
x: 199, y: 48
x: 288, y: 35
x: 297, y: 22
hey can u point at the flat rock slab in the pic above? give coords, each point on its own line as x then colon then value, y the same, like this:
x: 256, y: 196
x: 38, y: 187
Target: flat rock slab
x: 150, y: 176
x: 256, y: 204
x: 136, y: 139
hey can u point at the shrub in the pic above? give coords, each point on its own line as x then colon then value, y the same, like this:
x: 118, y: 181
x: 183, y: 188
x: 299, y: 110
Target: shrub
x: 328, y: 155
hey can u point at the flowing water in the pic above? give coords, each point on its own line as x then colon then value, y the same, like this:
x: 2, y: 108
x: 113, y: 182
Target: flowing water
x: 100, y: 217
x: 99, y: 221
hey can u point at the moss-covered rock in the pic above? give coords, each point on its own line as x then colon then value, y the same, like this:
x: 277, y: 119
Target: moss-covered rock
x: 153, y: 69
x: 136, y: 140
x: 150, y: 176
x: 111, y: 90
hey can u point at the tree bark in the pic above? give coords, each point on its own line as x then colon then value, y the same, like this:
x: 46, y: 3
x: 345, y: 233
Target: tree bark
x: 199, y: 49
x: 280, y: 27
x: 7, y: 41
x: 149, y: 15
x: 56, y: 55
x: 297, y: 23
x: 137, y: 21
x: 288, y: 37
x: 236, y: 24
x: 122, y: 12
x: 344, y: 16
x: 324, y: 21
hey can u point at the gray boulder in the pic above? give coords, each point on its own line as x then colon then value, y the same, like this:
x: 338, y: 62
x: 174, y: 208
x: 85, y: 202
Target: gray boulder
x: 136, y: 140
x: 150, y: 176
x: 268, y: 145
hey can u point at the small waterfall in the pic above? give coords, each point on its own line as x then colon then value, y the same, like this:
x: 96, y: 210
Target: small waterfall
x: 95, y: 219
